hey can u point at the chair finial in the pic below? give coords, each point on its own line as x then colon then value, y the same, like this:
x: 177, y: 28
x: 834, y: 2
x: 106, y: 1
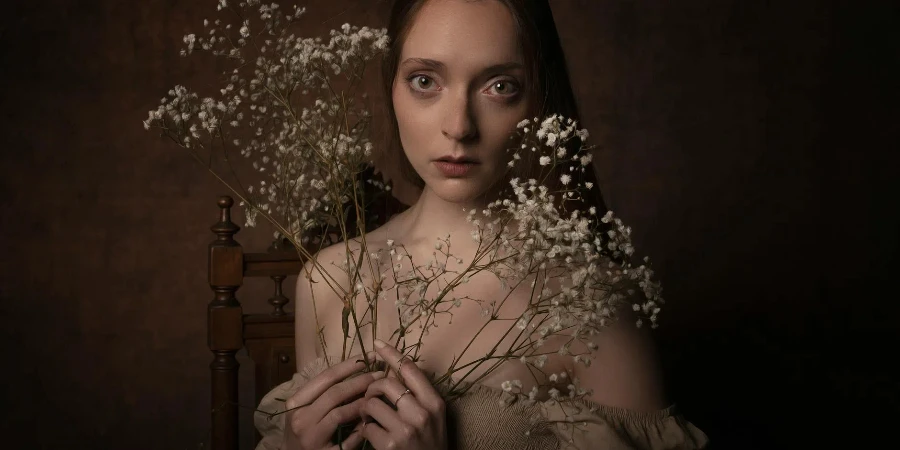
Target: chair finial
x: 225, y: 229
x: 225, y: 201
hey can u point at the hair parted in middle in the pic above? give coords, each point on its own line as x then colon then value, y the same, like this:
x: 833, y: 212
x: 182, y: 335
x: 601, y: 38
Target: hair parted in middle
x: 547, y: 82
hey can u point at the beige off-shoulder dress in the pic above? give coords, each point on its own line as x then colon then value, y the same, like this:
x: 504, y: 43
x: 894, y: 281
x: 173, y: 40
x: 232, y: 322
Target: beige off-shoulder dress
x: 478, y: 421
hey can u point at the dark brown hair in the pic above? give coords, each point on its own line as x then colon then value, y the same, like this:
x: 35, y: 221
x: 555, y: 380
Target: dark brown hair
x: 547, y: 80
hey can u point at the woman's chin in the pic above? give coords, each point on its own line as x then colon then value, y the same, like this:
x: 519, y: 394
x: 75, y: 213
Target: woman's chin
x: 464, y: 191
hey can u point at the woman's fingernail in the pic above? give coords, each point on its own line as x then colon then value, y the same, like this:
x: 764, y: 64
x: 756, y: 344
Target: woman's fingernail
x: 378, y: 375
x: 379, y: 343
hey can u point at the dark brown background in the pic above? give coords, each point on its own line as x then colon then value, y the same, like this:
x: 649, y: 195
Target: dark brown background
x: 750, y: 144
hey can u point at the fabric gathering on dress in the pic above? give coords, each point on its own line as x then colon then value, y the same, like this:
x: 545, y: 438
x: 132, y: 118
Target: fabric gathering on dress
x: 478, y: 421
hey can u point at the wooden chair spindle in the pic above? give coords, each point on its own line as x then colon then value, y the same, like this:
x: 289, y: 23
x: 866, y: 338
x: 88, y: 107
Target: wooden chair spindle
x: 224, y: 325
x: 278, y: 301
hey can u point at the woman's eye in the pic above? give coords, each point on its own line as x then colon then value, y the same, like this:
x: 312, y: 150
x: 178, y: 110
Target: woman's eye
x: 421, y: 82
x: 505, y: 87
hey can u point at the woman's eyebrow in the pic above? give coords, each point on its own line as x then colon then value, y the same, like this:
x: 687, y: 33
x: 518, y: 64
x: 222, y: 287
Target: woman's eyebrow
x: 439, y: 66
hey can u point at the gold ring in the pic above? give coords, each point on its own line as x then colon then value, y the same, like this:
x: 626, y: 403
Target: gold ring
x: 401, y: 396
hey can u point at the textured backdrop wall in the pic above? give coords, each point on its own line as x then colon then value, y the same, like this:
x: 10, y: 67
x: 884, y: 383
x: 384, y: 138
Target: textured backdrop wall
x: 732, y: 135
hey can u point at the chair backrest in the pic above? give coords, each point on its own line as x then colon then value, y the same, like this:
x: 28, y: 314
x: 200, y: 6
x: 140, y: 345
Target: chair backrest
x: 269, y: 337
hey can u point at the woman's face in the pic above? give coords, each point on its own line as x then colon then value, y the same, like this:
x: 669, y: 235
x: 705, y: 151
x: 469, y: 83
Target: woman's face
x: 458, y: 95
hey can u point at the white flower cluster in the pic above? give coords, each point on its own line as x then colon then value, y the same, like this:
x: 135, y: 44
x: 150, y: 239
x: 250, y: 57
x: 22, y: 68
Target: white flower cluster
x: 578, y: 264
x: 283, y: 107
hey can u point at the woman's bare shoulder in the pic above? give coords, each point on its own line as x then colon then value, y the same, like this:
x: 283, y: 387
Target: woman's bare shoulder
x: 322, y: 283
x: 337, y: 260
x: 625, y: 371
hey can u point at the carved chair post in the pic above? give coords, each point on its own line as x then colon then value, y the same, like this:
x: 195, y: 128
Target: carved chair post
x: 225, y: 329
x: 278, y: 300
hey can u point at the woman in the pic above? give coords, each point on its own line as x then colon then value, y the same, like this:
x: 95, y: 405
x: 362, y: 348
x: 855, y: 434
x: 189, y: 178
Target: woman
x: 459, y: 76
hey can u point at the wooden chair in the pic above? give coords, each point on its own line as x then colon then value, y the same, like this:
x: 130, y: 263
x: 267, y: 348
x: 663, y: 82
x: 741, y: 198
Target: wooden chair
x: 268, y: 337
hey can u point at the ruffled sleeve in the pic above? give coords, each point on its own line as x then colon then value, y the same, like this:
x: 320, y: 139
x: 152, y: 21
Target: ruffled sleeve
x: 587, y: 425
x: 272, y: 429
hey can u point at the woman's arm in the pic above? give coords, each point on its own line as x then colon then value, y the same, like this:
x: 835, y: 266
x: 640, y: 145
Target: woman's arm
x: 304, y: 315
x: 625, y: 371
x: 317, y: 304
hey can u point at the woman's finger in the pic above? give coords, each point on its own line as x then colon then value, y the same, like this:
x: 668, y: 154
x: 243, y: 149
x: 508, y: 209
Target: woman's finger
x: 352, y: 441
x: 408, y: 407
x: 340, y: 393
x: 413, y: 378
x: 379, y: 437
x: 324, y: 429
x: 385, y: 416
x: 320, y: 383
x: 340, y: 415
x: 392, y: 390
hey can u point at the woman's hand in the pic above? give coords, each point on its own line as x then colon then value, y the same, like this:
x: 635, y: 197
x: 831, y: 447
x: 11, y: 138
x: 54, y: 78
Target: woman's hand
x: 322, y: 409
x: 419, y: 421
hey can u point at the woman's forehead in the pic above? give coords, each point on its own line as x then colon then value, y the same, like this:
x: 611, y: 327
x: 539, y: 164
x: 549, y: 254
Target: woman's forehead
x: 479, y: 33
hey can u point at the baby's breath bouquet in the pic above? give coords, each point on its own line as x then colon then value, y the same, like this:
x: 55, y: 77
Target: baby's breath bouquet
x: 289, y: 104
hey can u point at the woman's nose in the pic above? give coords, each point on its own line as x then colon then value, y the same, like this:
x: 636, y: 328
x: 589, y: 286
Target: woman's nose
x: 459, y: 124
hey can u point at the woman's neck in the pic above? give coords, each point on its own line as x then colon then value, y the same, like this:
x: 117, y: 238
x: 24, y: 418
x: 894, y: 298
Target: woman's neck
x: 432, y: 217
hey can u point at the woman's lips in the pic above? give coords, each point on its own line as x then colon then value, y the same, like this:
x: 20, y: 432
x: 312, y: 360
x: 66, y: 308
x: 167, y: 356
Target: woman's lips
x: 454, y: 169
